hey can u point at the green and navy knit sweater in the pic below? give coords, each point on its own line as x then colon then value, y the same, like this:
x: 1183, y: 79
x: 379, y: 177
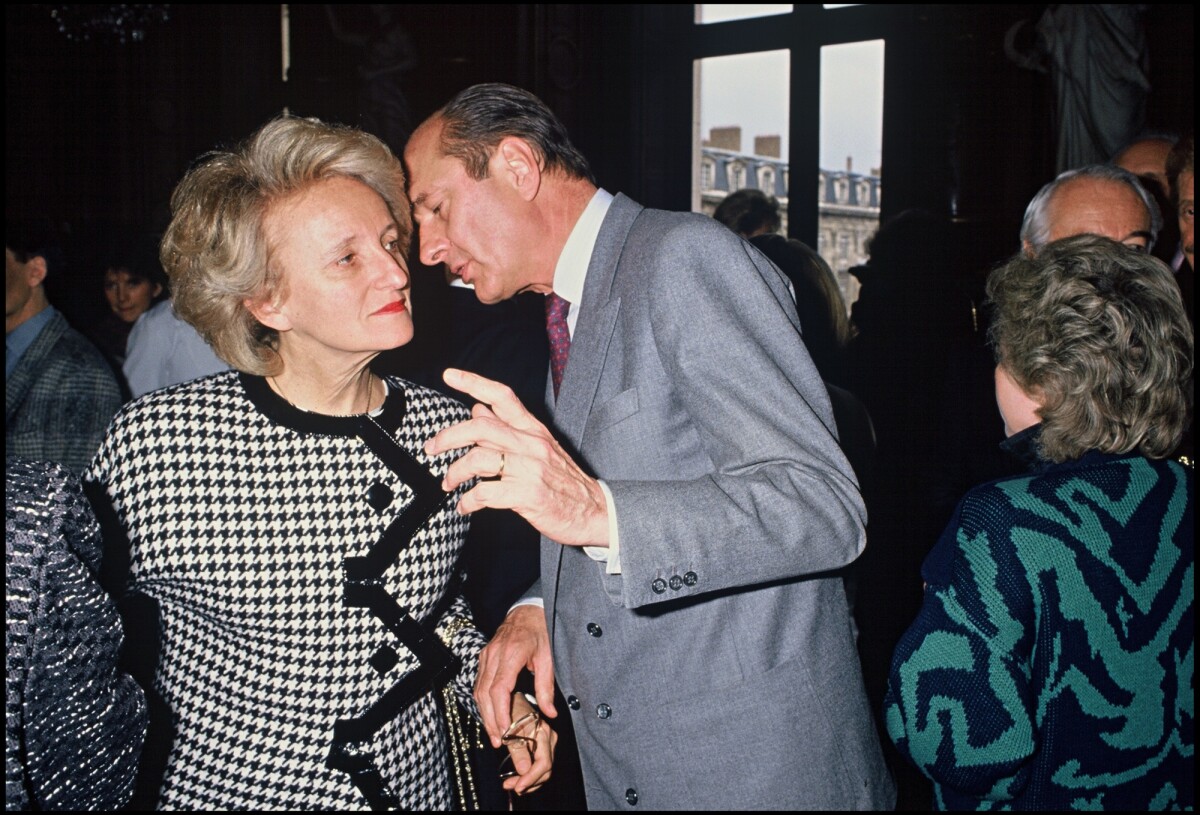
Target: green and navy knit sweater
x: 1051, y: 665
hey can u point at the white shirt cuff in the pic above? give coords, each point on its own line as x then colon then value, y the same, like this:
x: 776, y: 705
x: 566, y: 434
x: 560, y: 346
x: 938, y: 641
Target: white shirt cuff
x: 528, y: 601
x: 611, y: 553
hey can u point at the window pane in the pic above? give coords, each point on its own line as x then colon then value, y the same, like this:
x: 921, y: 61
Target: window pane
x: 720, y: 12
x: 740, y: 136
x: 849, y: 183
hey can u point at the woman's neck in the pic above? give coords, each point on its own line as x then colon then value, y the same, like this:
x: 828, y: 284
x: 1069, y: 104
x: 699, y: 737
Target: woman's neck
x: 329, y: 392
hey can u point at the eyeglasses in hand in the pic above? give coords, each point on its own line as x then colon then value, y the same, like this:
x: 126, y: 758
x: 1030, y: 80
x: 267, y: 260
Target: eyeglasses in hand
x: 522, y: 733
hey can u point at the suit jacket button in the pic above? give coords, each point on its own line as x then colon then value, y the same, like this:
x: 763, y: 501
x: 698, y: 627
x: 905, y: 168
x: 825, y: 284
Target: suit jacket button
x: 690, y: 578
x: 631, y: 796
x: 594, y: 630
x: 603, y: 710
x: 379, y: 496
x: 573, y: 702
x: 676, y: 582
x: 658, y: 586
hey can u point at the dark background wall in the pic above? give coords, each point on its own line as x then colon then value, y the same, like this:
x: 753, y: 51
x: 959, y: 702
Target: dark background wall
x: 99, y: 131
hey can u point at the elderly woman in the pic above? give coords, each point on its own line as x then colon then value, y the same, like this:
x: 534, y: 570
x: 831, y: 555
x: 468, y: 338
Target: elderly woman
x: 1051, y: 664
x: 283, y: 517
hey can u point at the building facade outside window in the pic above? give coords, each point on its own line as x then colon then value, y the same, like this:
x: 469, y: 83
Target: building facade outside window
x: 847, y: 201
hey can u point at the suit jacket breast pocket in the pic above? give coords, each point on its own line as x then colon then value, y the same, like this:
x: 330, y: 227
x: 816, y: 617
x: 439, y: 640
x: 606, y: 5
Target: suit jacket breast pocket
x: 614, y: 410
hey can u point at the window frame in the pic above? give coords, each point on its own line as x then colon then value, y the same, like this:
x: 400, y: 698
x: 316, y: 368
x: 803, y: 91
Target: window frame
x: 804, y: 31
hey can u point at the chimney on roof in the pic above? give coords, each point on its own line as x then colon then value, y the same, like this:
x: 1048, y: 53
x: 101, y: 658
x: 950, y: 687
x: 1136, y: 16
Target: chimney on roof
x: 849, y: 164
x: 725, y: 138
x: 767, y: 146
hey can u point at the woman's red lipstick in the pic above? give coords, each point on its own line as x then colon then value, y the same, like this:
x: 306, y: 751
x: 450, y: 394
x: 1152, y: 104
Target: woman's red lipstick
x: 393, y: 308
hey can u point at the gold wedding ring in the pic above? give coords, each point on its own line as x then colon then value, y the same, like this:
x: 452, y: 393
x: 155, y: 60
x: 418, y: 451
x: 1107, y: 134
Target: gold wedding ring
x: 500, y: 472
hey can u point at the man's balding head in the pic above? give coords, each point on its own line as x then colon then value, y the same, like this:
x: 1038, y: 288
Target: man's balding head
x: 1098, y: 199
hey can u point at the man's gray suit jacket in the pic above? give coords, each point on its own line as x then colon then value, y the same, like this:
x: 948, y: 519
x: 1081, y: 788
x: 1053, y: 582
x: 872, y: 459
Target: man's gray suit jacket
x: 718, y: 670
x: 59, y: 399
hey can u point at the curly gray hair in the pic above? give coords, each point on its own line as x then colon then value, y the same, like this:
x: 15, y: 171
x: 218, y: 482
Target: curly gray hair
x: 1098, y: 333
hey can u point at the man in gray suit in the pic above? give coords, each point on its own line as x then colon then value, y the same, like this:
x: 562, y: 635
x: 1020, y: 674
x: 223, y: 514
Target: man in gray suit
x: 59, y: 392
x: 692, y: 498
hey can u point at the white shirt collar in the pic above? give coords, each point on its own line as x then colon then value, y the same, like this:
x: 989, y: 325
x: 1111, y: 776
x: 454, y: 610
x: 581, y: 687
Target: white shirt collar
x: 571, y: 271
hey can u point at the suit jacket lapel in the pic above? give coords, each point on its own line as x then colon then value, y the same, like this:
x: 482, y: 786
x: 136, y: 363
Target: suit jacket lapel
x: 597, y: 321
x: 589, y: 346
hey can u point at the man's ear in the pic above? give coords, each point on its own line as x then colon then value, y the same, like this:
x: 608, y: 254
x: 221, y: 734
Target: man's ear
x: 515, y: 161
x: 35, y: 271
x: 268, y: 311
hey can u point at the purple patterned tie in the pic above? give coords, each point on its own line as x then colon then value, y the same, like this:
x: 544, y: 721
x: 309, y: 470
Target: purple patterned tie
x: 560, y: 337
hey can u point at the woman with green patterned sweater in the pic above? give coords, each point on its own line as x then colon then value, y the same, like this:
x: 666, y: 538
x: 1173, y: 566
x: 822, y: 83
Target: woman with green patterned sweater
x: 1051, y: 665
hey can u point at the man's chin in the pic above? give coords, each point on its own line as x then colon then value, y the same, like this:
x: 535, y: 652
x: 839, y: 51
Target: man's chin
x: 489, y: 291
x: 487, y: 296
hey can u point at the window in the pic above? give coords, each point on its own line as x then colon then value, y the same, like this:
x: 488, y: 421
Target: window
x: 766, y: 180
x: 804, y: 81
x: 852, y: 138
x: 737, y: 176
x: 722, y: 12
x: 739, y: 119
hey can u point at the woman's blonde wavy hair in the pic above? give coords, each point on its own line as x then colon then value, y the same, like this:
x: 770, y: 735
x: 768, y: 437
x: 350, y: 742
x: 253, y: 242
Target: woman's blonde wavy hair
x: 1099, y: 334
x: 215, y: 251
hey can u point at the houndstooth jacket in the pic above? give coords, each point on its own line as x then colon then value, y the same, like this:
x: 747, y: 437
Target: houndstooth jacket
x: 59, y: 398
x: 282, y: 549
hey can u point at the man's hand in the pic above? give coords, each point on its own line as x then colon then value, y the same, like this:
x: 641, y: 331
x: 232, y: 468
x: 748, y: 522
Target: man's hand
x: 521, y: 641
x: 534, y: 760
x: 524, y: 468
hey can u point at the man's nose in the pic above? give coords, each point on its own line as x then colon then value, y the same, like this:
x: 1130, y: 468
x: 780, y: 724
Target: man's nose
x: 433, y: 244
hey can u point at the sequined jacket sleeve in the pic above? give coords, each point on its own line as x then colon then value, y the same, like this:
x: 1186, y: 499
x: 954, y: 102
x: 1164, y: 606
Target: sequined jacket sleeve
x: 74, y: 724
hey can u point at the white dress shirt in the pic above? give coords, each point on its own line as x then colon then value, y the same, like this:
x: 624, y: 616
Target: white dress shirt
x: 569, y: 277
